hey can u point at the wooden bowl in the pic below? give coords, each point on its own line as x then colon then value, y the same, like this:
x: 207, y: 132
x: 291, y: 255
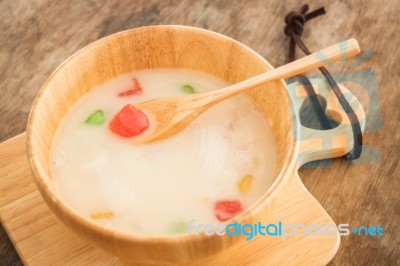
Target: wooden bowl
x: 186, y: 47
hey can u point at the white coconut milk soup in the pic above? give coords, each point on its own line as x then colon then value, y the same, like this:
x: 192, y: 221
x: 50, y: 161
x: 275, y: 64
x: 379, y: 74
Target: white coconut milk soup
x: 210, y: 171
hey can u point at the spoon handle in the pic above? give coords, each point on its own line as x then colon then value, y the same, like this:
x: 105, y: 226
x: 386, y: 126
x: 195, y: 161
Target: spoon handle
x: 332, y: 53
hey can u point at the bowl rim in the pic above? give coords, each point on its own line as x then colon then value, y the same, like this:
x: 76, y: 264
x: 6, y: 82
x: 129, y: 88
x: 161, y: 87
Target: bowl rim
x: 49, y: 193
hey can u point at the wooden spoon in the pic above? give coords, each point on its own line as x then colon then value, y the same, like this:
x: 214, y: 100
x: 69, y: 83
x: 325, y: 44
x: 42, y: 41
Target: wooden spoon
x: 169, y: 115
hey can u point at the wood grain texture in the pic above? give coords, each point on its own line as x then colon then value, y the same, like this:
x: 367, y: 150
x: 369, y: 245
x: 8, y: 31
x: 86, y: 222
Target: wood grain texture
x: 37, y: 36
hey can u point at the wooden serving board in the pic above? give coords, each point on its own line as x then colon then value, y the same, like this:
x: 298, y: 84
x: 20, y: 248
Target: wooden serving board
x: 41, y: 239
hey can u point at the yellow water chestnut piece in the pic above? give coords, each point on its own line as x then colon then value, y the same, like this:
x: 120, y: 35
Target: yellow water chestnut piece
x: 245, y: 184
x: 102, y: 215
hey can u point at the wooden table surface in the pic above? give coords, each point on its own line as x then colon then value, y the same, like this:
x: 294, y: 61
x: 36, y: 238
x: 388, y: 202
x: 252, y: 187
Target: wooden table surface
x: 36, y: 36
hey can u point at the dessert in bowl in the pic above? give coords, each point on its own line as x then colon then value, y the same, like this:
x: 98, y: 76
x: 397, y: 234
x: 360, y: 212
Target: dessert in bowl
x: 224, y: 158
x: 133, y: 201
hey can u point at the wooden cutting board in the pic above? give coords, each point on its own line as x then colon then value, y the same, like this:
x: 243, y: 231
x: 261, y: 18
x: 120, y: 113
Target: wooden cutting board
x: 41, y: 239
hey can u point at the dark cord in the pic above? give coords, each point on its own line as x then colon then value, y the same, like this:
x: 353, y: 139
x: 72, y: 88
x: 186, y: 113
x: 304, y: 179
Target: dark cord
x: 294, y: 28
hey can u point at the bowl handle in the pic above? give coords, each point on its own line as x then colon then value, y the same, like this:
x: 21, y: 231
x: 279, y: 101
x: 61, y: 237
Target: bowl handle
x: 323, y: 144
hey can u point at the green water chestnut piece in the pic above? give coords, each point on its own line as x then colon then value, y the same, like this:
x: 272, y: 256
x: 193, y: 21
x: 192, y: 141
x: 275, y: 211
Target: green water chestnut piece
x: 96, y: 118
x: 179, y: 227
x: 188, y: 89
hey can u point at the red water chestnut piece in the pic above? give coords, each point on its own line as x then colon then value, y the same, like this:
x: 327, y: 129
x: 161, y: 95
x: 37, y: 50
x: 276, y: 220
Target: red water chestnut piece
x: 227, y: 209
x: 129, y: 122
x: 135, y: 90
